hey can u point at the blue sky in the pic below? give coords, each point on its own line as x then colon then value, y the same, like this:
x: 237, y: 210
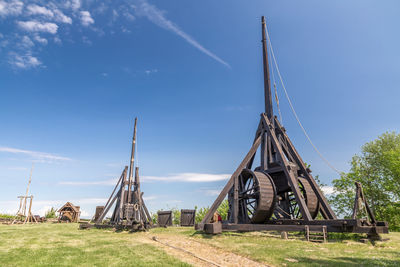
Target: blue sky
x: 74, y: 74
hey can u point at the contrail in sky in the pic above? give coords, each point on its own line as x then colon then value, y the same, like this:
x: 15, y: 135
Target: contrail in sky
x: 157, y: 17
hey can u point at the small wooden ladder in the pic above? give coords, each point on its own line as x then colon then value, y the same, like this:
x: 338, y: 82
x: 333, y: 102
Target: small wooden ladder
x: 316, y: 235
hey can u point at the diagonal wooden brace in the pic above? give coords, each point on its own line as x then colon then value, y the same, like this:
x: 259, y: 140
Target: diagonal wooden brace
x: 230, y: 183
x: 289, y: 172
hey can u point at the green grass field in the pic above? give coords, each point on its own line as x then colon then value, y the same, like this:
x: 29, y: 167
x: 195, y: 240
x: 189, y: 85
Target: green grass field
x: 64, y: 245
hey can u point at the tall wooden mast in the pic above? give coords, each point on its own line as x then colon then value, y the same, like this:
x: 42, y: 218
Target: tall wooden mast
x: 267, y: 81
x: 132, y: 161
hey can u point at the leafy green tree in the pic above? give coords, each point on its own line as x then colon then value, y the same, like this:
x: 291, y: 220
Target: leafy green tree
x: 377, y: 167
x: 176, y: 216
x: 222, y: 210
x: 154, y: 218
x: 200, y: 213
x: 51, y: 213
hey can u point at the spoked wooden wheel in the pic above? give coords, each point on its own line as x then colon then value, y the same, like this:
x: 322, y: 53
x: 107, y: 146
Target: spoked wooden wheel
x: 256, y: 196
x: 309, y: 197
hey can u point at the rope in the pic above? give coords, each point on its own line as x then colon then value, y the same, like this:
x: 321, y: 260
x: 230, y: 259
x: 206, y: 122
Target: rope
x: 275, y: 89
x: 186, y: 251
x: 136, y: 153
x: 294, y: 112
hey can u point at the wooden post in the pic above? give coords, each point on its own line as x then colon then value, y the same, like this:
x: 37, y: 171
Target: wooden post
x: 132, y: 162
x: 284, y: 235
x: 122, y: 197
x: 307, y: 232
x: 267, y: 82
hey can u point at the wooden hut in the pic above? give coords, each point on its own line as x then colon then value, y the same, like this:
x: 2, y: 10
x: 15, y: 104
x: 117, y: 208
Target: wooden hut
x: 69, y: 213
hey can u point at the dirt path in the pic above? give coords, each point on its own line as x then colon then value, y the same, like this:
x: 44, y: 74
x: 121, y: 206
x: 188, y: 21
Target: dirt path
x: 196, y: 253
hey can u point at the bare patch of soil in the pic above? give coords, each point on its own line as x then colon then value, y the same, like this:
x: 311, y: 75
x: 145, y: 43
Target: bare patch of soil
x: 196, y: 253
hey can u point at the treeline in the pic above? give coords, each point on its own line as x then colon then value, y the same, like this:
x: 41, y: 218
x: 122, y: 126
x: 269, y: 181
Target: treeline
x: 377, y: 168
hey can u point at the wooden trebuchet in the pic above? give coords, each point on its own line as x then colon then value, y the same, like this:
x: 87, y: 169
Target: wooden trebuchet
x: 280, y: 193
x: 129, y: 208
x: 23, y: 215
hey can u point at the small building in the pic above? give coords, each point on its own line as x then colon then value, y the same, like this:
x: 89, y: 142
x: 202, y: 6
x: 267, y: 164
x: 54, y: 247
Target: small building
x: 69, y: 213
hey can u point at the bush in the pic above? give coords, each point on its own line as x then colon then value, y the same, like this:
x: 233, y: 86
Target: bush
x: 222, y: 210
x: 50, y: 214
x: 6, y: 216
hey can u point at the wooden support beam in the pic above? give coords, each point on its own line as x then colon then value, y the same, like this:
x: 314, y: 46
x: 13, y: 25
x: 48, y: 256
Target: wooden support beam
x: 327, y: 210
x: 106, y: 206
x: 230, y: 183
x: 120, y: 213
x: 292, y: 178
x: 106, y: 209
x: 258, y: 133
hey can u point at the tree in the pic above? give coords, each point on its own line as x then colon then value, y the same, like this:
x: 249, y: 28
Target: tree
x: 154, y: 218
x: 222, y: 210
x: 176, y: 216
x: 377, y: 167
x: 51, y: 213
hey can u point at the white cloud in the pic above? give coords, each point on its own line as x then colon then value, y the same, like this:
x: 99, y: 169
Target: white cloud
x: 36, y: 26
x: 34, y: 154
x: 157, y: 17
x: 128, y: 15
x: 188, y: 177
x: 115, y: 15
x: 26, y: 42
x: 149, y: 198
x: 148, y: 72
x: 84, y: 213
x: 61, y: 17
x: 75, y: 4
x: 86, y: 18
x: 327, y: 190
x: 23, y: 62
x: 39, y: 10
x: 101, y: 8
x: 41, y: 206
x: 41, y: 40
x: 10, y: 8
x: 86, y: 40
x: 18, y: 168
x: 181, y: 177
x: 211, y: 192
x: 57, y: 40
x: 85, y: 183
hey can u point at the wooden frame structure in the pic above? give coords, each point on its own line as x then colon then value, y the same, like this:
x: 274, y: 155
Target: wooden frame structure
x: 279, y: 194
x: 130, y: 210
x: 69, y: 213
x: 22, y: 214
x: 187, y: 217
x: 164, y: 218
